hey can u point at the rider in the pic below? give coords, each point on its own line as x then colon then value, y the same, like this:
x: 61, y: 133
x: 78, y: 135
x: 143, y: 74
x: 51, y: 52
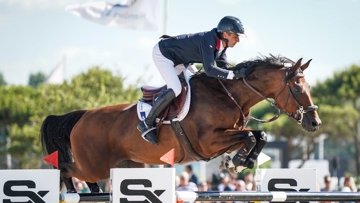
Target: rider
x: 184, y: 50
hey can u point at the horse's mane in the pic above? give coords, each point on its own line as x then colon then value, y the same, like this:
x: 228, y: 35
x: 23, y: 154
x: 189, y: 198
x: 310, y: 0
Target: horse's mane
x: 270, y: 61
x: 274, y: 61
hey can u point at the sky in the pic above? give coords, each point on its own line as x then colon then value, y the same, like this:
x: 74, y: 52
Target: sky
x: 36, y: 34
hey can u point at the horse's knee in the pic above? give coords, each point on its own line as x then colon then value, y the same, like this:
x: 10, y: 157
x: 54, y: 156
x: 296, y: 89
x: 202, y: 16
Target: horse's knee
x: 261, y: 140
x: 250, y: 142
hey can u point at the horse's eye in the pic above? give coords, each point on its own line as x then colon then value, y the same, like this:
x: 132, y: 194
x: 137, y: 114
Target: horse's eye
x: 296, y: 89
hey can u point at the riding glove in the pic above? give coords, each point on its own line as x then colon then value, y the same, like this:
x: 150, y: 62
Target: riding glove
x: 241, y: 73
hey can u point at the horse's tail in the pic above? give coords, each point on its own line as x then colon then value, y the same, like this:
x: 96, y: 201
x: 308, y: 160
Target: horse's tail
x: 55, y: 135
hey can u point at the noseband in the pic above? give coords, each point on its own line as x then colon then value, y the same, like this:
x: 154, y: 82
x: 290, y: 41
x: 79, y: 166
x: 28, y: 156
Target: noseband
x: 299, y: 115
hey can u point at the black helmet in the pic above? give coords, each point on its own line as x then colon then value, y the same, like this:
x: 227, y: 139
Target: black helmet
x: 231, y: 24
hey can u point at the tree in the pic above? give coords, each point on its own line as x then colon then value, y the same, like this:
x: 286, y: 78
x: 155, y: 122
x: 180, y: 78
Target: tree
x: 341, y: 90
x: 2, y: 80
x: 16, y: 109
x: 36, y: 79
x: 23, y: 109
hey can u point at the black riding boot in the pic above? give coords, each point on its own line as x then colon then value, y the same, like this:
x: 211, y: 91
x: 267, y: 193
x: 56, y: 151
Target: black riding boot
x: 147, y: 127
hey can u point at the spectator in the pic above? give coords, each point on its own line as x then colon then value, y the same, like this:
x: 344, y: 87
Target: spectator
x: 327, y: 181
x: 108, y: 185
x: 233, y: 179
x: 193, y: 177
x: 177, y: 181
x: 80, y: 186
x: 327, y: 188
x: 225, y: 184
x: 185, y: 185
x: 240, y: 186
x: 204, y: 187
x: 349, y: 185
x: 249, y: 181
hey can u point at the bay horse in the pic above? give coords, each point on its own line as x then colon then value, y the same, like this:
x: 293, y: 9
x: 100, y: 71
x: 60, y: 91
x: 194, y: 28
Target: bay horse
x: 90, y: 142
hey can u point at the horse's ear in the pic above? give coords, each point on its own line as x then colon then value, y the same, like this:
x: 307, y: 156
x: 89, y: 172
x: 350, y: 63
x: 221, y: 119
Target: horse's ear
x: 304, y: 66
x: 296, y: 66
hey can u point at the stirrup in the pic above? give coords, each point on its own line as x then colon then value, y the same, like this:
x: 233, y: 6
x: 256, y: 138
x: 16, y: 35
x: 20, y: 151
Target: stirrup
x: 146, y: 132
x: 150, y: 136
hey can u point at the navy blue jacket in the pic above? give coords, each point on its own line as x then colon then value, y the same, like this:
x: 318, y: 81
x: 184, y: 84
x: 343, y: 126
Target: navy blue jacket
x: 202, y: 47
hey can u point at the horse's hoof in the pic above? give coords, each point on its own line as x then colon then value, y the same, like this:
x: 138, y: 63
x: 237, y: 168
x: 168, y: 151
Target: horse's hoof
x: 95, y: 189
x: 225, y: 162
x: 238, y: 169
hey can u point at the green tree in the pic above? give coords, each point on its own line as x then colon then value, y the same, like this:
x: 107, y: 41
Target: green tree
x: 36, y: 79
x: 341, y: 90
x: 23, y: 109
x: 2, y: 80
x: 17, y: 107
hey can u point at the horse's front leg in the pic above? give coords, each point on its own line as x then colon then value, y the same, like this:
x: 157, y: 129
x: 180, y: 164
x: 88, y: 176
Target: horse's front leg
x: 231, y: 140
x: 246, y: 156
x: 261, y: 140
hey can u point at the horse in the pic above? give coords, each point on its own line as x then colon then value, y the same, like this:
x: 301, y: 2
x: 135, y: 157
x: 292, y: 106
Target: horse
x: 90, y: 142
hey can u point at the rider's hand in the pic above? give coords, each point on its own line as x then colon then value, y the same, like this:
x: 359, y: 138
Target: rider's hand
x: 240, y: 73
x: 243, y: 72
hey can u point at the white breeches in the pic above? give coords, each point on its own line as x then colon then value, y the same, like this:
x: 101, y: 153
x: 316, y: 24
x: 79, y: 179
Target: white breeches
x: 167, y: 70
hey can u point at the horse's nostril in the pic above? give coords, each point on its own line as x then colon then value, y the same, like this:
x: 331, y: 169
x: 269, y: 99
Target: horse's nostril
x: 315, y: 123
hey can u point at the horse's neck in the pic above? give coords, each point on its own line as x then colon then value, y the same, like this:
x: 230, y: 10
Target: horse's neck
x: 242, y: 94
x: 245, y: 96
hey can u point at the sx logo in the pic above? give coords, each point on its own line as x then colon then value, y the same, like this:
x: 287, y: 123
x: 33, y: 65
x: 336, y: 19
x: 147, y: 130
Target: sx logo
x: 152, y: 197
x: 289, y: 181
x: 34, y: 197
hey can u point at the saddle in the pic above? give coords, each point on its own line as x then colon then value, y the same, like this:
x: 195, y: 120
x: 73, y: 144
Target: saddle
x: 151, y: 93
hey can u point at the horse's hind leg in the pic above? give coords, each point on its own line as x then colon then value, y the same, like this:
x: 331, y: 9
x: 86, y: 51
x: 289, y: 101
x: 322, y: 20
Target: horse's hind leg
x: 94, y: 187
x: 69, y: 184
x: 261, y: 140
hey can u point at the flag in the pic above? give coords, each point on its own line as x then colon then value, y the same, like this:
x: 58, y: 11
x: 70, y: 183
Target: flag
x: 52, y: 159
x: 168, y: 157
x: 57, y: 75
x: 130, y: 14
x: 262, y: 158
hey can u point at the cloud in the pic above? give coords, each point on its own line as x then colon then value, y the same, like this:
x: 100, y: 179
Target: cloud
x: 39, y: 4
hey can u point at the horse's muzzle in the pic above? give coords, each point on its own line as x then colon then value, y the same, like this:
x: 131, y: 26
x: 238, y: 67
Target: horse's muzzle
x: 311, y: 122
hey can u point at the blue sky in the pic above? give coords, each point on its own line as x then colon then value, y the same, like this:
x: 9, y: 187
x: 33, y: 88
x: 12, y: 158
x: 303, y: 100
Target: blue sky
x: 35, y: 34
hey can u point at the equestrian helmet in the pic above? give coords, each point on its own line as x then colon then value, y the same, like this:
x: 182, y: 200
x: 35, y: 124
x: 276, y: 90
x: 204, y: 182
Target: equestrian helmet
x: 231, y: 24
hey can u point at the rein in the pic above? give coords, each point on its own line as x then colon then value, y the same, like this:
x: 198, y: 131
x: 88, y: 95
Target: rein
x: 298, y: 117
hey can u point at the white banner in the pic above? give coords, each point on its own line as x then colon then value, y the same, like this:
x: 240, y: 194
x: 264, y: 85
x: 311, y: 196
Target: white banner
x: 142, y: 185
x: 288, y: 180
x: 130, y: 14
x: 40, y: 186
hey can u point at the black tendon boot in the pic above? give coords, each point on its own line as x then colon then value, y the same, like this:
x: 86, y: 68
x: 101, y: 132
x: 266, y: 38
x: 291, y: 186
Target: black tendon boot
x: 147, y: 127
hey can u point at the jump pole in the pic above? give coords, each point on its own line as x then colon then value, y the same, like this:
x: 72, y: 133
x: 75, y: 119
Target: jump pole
x: 267, y: 196
x: 84, y: 197
x: 230, y: 196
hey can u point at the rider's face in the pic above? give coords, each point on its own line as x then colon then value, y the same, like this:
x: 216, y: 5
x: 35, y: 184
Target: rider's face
x: 232, y: 38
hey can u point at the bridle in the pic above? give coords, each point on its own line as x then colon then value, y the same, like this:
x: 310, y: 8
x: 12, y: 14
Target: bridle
x: 299, y: 115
